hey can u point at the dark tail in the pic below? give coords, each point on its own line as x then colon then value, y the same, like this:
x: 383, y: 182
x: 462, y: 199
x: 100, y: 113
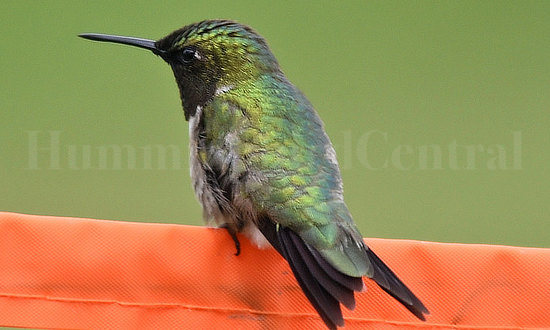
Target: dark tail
x: 389, y: 282
x: 324, y: 286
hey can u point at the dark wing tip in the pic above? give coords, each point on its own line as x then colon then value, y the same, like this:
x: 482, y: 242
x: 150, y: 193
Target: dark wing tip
x: 389, y: 282
x: 324, y: 286
x: 325, y: 304
x: 340, y: 292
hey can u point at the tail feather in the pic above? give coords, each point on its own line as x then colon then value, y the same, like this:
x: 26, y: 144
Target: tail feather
x: 350, y: 282
x: 325, y: 286
x: 389, y: 282
x: 341, y: 293
x: 325, y: 304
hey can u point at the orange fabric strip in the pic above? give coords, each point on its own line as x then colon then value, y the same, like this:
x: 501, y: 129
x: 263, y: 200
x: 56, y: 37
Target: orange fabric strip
x: 60, y: 272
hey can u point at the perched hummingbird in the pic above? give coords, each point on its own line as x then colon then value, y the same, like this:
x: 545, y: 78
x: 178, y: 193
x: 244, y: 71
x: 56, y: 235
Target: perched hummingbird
x: 262, y: 164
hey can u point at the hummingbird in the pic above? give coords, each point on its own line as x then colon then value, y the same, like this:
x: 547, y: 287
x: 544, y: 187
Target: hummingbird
x: 262, y: 164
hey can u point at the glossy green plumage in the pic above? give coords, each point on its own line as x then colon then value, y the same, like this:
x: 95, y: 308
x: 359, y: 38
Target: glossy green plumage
x: 279, y: 137
x: 262, y: 163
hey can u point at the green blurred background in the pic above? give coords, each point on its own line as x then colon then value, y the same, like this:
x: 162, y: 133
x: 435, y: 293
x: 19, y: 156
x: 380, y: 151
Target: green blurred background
x: 389, y: 79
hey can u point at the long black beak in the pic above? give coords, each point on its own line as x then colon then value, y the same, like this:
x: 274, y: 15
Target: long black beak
x: 137, y: 42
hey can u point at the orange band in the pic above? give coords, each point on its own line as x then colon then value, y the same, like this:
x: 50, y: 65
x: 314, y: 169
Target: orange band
x: 80, y: 273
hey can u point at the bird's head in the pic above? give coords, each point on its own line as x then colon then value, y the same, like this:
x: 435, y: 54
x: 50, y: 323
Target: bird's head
x: 207, y: 58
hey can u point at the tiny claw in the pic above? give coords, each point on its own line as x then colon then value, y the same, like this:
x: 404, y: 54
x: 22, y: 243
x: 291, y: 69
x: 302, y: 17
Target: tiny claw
x: 237, y: 245
x: 233, y: 235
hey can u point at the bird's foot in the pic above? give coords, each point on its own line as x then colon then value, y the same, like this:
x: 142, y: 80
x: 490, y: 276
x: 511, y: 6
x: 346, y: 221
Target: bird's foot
x: 233, y: 233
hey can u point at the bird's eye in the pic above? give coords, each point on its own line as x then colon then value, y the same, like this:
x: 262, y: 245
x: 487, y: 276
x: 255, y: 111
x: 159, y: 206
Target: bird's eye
x: 188, y: 55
